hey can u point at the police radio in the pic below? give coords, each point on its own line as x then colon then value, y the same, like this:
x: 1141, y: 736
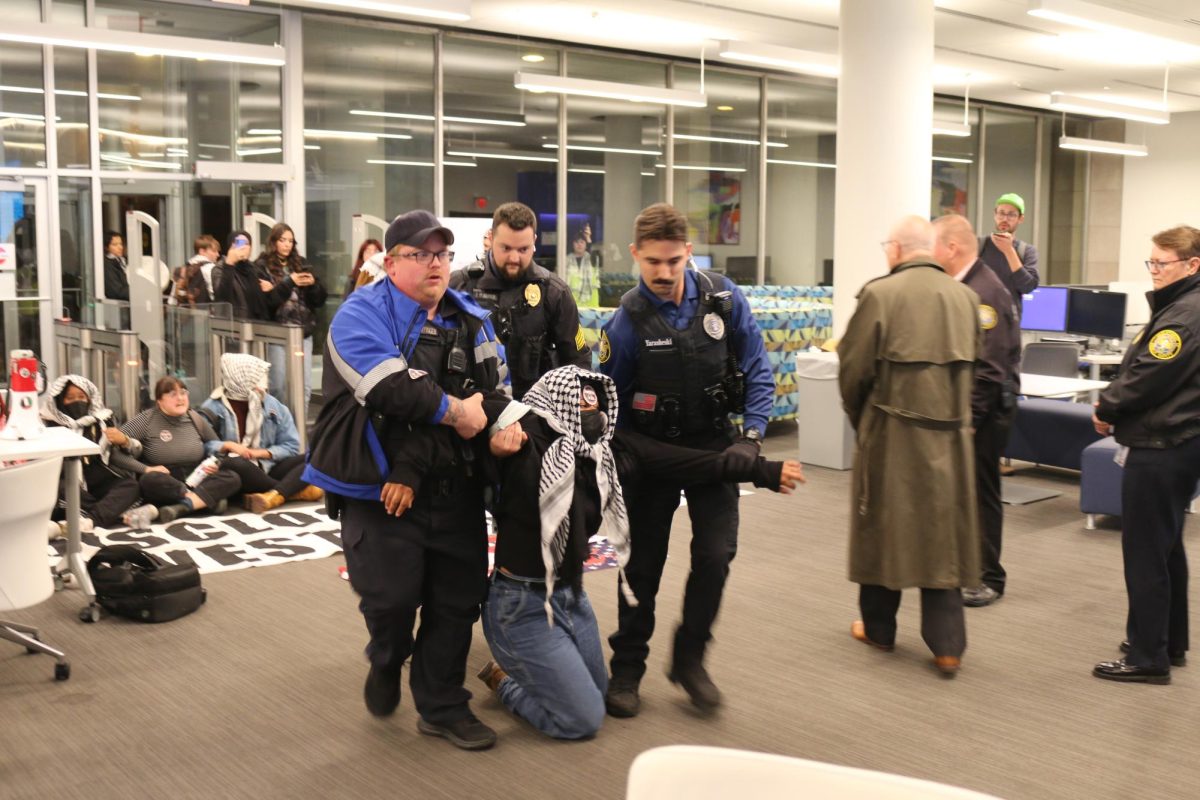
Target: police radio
x: 735, y: 380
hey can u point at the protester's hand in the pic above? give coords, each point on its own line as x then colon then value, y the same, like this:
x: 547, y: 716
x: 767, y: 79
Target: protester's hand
x: 508, y: 441
x: 303, y: 278
x: 266, y: 286
x: 789, y: 476
x: 1102, y: 427
x: 1003, y: 242
x: 237, y: 448
x: 159, y: 468
x: 211, y: 469
x: 396, y: 498
x: 237, y: 254
x: 115, y: 436
x: 466, y: 416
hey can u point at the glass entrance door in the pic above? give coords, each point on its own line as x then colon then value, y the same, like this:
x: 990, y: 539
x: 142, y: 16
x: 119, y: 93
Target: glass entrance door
x: 27, y: 296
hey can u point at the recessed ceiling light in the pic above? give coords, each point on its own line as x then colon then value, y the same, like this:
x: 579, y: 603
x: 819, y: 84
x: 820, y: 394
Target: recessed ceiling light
x: 724, y: 108
x: 533, y: 58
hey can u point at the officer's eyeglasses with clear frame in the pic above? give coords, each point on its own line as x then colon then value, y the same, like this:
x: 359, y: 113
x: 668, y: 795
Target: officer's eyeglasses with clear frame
x: 1158, y: 266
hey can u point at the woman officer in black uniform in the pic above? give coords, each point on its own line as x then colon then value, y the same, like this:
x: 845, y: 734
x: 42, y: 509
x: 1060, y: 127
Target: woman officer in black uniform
x: 1153, y: 410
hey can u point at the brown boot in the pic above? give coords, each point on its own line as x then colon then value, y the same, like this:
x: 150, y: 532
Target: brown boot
x: 309, y: 494
x: 262, y: 502
x: 491, y: 674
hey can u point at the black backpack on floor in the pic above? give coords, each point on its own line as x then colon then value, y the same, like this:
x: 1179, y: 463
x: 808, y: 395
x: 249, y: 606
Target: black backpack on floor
x: 131, y: 582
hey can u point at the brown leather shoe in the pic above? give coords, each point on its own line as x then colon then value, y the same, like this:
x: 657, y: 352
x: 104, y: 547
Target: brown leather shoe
x: 947, y: 665
x: 309, y: 494
x: 858, y: 629
x: 491, y: 674
x: 262, y: 502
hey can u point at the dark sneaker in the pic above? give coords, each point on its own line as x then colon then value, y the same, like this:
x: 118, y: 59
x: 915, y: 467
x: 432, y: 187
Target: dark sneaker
x: 693, y: 677
x: 172, y: 512
x: 980, y: 596
x: 621, y: 699
x: 382, y: 690
x: 467, y: 733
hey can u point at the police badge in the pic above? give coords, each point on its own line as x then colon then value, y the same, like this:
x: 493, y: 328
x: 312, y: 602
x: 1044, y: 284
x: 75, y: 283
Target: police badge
x: 533, y: 294
x: 714, y: 326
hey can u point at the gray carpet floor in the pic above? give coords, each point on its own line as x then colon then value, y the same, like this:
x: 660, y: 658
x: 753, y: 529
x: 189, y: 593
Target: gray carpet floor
x: 259, y: 693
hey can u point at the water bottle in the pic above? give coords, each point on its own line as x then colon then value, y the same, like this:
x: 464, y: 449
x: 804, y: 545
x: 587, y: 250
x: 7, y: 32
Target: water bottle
x: 199, y: 474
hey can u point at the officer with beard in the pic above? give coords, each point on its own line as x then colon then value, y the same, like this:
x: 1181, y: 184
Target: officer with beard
x: 535, y: 316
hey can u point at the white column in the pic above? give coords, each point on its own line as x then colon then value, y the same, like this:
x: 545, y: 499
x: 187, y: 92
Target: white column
x: 292, y: 118
x: 885, y: 119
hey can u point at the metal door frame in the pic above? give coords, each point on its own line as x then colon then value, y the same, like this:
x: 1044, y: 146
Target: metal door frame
x: 49, y: 281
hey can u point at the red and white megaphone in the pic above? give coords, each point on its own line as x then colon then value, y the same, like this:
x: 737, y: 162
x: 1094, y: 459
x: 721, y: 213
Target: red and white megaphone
x: 25, y: 383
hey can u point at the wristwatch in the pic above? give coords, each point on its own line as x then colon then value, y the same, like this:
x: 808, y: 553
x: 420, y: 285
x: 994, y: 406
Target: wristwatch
x: 752, y: 435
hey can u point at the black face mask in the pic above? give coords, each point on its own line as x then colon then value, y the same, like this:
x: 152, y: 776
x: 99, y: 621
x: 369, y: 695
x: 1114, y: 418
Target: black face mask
x: 593, y: 424
x: 77, y: 410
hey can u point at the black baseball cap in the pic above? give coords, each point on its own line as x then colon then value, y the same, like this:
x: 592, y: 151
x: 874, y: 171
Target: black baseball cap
x: 413, y: 228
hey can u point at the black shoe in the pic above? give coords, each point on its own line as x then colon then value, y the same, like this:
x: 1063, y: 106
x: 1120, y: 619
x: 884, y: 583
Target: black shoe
x: 621, y: 699
x: 1120, y: 671
x: 1177, y: 659
x: 220, y: 508
x: 382, y: 690
x: 468, y: 733
x: 693, y: 677
x: 980, y: 596
x: 172, y: 512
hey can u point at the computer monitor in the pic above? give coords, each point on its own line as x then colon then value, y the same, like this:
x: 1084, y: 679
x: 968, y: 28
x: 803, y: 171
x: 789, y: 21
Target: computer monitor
x: 1095, y: 313
x: 702, y: 262
x: 1045, y: 309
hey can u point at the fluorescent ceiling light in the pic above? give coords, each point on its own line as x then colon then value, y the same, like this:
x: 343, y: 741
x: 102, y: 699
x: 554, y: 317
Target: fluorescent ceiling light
x: 214, y: 146
x: 449, y: 10
x: 592, y: 148
x: 791, y: 59
x: 69, y: 93
x: 144, y: 138
x: 801, y: 163
x: 260, y: 151
x: 393, y: 163
x: 951, y: 128
x: 312, y: 147
x: 504, y: 120
x: 1110, y: 20
x: 533, y: 58
x: 137, y: 162
x: 258, y: 139
x: 141, y: 43
x: 691, y: 137
x: 589, y: 171
x: 264, y: 131
x: 649, y: 174
x: 702, y: 168
x: 18, y: 115
x: 609, y: 89
x: 1105, y: 108
x: 501, y: 156
x: 360, y: 136
x: 953, y: 160
x: 176, y: 151
x: 1102, y: 146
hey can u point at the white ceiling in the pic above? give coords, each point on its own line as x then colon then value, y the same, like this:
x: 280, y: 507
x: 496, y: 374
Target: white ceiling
x: 1012, y: 57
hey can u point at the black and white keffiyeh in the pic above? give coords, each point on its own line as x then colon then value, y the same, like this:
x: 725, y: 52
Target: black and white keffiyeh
x: 555, y: 398
x: 97, y: 413
x: 244, y: 377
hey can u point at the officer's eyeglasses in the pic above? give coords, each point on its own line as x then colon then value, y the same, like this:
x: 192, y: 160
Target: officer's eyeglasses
x: 425, y: 258
x: 1155, y: 266
x: 1008, y: 214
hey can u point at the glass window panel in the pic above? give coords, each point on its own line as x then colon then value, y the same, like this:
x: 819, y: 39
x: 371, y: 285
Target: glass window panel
x: 23, y: 10
x: 1010, y: 165
x: 75, y: 246
x: 802, y: 131
x: 508, y: 152
x: 71, y: 107
x: 22, y: 106
x: 199, y: 21
x: 67, y: 12
x: 369, y: 134
x: 955, y: 163
x: 614, y: 156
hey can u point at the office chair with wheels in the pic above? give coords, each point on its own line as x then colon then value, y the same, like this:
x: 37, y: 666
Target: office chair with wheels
x: 716, y: 773
x: 1060, y: 359
x: 28, y: 493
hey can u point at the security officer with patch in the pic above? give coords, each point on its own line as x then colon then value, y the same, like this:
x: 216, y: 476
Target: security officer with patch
x: 685, y: 354
x: 1153, y: 411
x: 404, y: 354
x: 994, y: 395
x: 532, y: 309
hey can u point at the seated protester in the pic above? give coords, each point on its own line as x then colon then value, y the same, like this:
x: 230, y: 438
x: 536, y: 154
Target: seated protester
x: 166, y: 444
x: 561, y: 487
x: 107, y: 494
x: 260, y: 431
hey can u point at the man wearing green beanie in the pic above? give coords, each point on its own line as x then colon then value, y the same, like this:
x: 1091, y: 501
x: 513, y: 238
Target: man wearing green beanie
x: 1014, y: 262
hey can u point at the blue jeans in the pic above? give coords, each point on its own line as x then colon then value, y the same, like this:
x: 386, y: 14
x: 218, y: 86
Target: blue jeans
x: 556, y: 675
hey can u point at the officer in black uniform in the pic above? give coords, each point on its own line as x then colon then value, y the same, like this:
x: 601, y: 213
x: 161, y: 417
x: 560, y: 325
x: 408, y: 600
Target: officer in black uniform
x: 402, y: 354
x: 533, y: 311
x: 994, y: 396
x: 685, y: 354
x: 1153, y: 410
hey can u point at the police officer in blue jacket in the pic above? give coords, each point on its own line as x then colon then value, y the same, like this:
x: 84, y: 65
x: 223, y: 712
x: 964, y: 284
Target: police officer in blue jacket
x: 685, y: 354
x: 405, y: 354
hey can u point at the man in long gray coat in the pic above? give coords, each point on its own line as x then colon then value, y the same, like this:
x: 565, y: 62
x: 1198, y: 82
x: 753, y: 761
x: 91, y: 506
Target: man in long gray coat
x: 906, y: 375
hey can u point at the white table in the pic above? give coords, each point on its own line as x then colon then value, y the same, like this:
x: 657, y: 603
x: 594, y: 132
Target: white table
x: 1097, y: 360
x: 1033, y: 385
x: 72, y: 447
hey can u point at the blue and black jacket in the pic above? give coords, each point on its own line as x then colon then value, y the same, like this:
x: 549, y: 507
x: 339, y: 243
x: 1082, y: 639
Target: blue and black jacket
x: 367, y: 382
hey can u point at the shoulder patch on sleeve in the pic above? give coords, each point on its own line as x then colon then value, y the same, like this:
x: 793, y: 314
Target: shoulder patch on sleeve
x: 987, y: 317
x: 580, y: 342
x: 605, y: 348
x: 1165, y: 345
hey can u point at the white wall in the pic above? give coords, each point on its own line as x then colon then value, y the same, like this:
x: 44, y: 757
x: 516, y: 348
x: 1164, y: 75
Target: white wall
x: 1160, y: 190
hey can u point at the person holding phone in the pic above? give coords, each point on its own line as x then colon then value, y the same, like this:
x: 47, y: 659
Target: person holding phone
x: 1015, y: 262
x: 238, y: 283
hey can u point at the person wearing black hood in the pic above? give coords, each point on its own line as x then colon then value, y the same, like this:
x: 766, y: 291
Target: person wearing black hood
x: 108, y: 493
x: 237, y: 281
